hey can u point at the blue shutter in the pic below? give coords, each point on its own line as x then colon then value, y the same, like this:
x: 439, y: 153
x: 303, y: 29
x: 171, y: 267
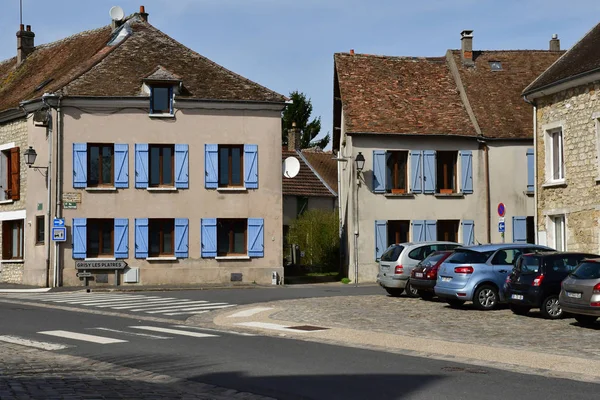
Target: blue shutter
x: 256, y: 237
x: 418, y: 231
x: 530, y: 175
x: 121, y: 165
x: 181, y: 237
x: 208, y: 237
x: 379, y: 171
x: 121, y: 238
x: 211, y: 166
x: 381, y: 238
x: 79, y: 237
x: 251, y: 166
x: 519, y: 229
x: 141, y: 165
x: 466, y: 171
x: 429, y: 171
x: 416, y: 172
x: 430, y: 230
x: 181, y: 166
x: 468, y: 232
x: 79, y: 165
x: 141, y: 238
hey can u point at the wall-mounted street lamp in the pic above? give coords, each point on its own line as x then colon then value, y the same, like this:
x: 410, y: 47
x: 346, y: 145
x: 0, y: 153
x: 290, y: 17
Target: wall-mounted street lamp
x: 30, y: 156
x: 360, y: 162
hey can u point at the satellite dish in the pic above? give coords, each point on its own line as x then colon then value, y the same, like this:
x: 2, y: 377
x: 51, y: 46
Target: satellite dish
x: 291, y: 167
x: 116, y: 13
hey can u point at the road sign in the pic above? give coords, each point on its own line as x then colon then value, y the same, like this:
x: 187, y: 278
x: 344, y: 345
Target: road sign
x: 501, y: 219
x: 59, y: 222
x: 100, y: 264
x: 69, y: 205
x: 84, y: 274
x: 59, y: 234
x: 501, y: 209
x: 501, y: 227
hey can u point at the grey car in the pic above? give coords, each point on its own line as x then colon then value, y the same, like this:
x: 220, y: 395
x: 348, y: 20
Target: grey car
x: 580, y: 292
x: 398, y: 260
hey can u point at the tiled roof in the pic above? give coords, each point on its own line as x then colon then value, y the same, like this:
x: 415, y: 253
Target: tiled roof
x: 306, y: 183
x: 324, y: 164
x: 581, y: 59
x: 495, y: 96
x: 85, y: 65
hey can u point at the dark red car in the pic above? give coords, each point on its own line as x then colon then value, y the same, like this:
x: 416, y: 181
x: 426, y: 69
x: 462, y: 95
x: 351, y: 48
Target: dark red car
x: 424, y: 275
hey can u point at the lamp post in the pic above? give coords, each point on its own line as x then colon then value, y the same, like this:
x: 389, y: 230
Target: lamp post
x: 30, y: 156
x: 359, y: 163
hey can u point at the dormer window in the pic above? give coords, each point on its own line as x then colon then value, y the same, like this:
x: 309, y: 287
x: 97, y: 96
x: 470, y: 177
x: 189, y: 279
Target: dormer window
x: 162, y: 85
x: 161, y: 100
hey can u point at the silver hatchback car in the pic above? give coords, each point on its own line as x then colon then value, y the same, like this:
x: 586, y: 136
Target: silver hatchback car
x: 398, y: 260
x: 580, y: 292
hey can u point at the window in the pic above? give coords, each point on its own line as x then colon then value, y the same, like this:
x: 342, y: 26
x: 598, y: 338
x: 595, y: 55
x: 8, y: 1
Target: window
x: 587, y: 270
x: 397, y: 171
x: 446, y: 172
x: 10, y: 174
x: 231, y: 237
x: 161, y: 237
x: 161, y: 165
x: 161, y: 100
x: 398, y: 232
x: 554, y: 149
x: 301, y: 205
x: 100, y: 238
x: 447, y: 230
x: 466, y: 256
x: 558, y: 231
x: 100, y: 165
x: 231, y: 166
x: 40, y: 229
x: 12, y: 240
x: 392, y: 253
x: 496, y: 65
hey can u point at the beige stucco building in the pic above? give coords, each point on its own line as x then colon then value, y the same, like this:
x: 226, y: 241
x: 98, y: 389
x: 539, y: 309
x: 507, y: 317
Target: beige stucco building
x: 445, y: 141
x: 567, y: 126
x: 171, y: 165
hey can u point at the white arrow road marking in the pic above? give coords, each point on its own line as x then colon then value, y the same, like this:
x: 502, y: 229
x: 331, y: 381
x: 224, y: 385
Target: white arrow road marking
x: 213, y: 306
x: 83, y: 337
x: 173, y: 331
x: 250, y: 312
x: 33, y: 343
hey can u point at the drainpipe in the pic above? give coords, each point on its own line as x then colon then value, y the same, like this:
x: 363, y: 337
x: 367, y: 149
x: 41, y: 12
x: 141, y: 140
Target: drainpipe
x: 59, y: 167
x: 49, y: 133
x: 486, y: 167
x: 535, y: 173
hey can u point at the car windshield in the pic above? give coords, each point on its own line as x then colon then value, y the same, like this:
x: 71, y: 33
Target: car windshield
x: 587, y: 270
x: 463, y: 256
x: 392, y: 253
x: 528, y: 265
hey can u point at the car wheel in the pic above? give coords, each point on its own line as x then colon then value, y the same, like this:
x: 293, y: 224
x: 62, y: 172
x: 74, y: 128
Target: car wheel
x: 425, y: 295
x: 410, y: 290
x: 485, y: 298
x: 454, y: 303
x: 519, y: 310
x: 394, y: 292
x: 550, y: 308
x: 585, y: 320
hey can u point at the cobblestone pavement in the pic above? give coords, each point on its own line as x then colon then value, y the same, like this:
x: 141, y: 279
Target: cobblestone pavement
x: 436, y: 320
x: 32, y: 374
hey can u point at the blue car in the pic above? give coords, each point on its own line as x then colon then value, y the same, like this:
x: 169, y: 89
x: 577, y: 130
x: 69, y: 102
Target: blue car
x: 478, y: 273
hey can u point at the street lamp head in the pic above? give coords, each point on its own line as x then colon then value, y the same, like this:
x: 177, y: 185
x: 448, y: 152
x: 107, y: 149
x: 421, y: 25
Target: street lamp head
x: 30, y: 156
x: 360, y: 161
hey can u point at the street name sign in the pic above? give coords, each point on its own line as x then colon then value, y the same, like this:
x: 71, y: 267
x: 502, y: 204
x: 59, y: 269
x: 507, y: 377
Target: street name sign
x: 98, y: 264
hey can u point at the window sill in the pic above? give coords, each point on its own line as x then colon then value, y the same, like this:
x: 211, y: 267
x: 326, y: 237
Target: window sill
x: 449, y: 195
x: 559, y: 183
x: 161, y: 189
x: 400, y: 195
x: 161, y: 258
x: 100, y: 259
x: 225, y: 258
x: 232, y: 189
x: 12, y: 261
x: 161, y: 115
x: 529, y: 193
x: 101, y: 189
x: 7, y: 201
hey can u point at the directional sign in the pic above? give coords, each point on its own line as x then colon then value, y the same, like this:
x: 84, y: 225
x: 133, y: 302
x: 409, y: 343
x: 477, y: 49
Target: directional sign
x: 501, y: 210
x: 97, y: 264
x: 501, y: 227
x: 84, y: 274
x: 59, y: 222
x: 59, y: 234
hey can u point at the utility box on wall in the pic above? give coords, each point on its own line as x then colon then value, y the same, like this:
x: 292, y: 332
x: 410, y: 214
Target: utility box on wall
x: 131, y: 275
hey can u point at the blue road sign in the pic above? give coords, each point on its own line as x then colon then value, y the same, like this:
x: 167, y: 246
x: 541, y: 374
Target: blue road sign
x: 59, y: 234
x: 59, y: 222
x: 501, y: 227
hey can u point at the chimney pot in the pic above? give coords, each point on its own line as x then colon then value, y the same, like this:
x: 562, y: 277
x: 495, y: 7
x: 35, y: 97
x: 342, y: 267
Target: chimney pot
x: 28, y: 28
x: 21, y: 27
x: 555, y: 43
x: 352, y: 51
x: 466, y: 47
x: 143, y: 13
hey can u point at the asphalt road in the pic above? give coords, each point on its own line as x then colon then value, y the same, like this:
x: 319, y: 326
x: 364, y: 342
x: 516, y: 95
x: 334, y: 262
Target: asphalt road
x: 276, y: 367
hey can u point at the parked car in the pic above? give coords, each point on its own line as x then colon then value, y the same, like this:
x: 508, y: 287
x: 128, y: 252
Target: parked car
x: 398, y: 260
x: 477, y: 273
x: 424, y: 275
x: 535, y: 281
x: 580, y: 293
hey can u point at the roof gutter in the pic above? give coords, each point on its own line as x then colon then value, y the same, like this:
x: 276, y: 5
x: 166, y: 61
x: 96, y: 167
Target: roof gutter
x: 563, y: 84
x: 11, y: 114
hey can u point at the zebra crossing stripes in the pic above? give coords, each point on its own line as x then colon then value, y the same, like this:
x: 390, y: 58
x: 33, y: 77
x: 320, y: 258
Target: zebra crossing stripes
x: 82, y: 336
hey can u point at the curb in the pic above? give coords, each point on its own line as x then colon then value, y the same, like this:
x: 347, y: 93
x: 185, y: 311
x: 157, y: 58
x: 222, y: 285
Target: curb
x: 38, y: 290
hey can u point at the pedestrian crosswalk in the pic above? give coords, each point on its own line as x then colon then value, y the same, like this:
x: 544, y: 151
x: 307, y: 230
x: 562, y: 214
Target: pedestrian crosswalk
x: 153, y: 305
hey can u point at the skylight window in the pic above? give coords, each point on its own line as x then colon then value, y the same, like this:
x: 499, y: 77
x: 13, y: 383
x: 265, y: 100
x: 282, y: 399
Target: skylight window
x: 496, y: 65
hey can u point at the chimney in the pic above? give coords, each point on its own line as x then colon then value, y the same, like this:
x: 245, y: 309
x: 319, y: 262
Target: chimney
x: 555, y: 43
x: 351, y: 52
x: 293, y: 138
x: 466, y: 47
x: 25, y: 43
x: 143, y: 13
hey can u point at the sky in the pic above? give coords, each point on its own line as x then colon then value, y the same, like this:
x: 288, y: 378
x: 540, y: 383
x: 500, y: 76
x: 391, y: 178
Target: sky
x: 288, y: 45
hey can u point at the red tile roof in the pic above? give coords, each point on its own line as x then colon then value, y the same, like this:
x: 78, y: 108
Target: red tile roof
x: 85, y: 65
x: 324, y: 165
x: 306, y: 183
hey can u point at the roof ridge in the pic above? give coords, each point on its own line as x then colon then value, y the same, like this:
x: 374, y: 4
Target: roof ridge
x: 408, y: 58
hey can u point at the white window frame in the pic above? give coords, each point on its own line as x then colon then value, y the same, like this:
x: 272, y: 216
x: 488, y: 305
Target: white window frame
x: 553, y: 240
x: 550, y: 131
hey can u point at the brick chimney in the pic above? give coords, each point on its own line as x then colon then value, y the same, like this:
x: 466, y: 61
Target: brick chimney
x: 293, y: 138
x: 143, y: 13
x: 466, y: 47
x: 555, y: 43
x: 25, y: 43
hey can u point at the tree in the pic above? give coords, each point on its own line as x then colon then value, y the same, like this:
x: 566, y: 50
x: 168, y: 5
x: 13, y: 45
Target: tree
x: 299, y: 112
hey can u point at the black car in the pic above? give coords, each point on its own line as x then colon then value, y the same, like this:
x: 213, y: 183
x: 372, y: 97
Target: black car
x: 535, y: 281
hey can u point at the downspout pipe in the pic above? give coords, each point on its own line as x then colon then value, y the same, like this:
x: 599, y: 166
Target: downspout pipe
x: 486, y: 166
x: 49, y: 133
x: 535, y: 170
x: 59, y: 173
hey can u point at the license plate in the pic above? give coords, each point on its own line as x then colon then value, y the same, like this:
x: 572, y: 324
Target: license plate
x: 418, y: 274
x: 446, y: 279
x: 517, y: 296
x: 574, y: 295
x: 385, y: 267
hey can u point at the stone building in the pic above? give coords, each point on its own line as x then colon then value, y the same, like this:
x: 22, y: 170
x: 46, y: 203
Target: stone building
x: 566, y: 108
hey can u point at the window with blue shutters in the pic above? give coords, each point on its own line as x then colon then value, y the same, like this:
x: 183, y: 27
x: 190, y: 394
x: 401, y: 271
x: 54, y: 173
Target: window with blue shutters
x: 466, y: 171
x: 379, y: 172
x: 251, y: 166
x: 468, y: 232
x: 161, y: 166
x: 381, y: 238
x: 141, y: 165
x: 519, y: 229
x: 429, y: 171
x: 79, y: 238
x: 256, y: 237
x: 530, y: 171
x: 121, y: 237
x: 141, y: 238
x: 231, y: 166
x: 181, y: 166
x: 208, y: 237
x: 416, y: 171
x: 100, y: 165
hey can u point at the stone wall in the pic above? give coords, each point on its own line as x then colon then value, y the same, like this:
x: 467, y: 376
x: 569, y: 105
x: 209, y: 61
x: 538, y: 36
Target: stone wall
x: 579, y: 198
